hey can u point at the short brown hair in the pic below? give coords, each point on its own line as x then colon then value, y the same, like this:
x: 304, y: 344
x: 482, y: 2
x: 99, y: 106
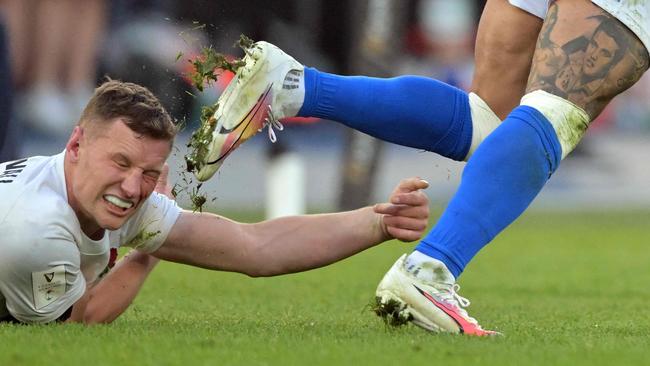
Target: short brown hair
x: 135, y: 104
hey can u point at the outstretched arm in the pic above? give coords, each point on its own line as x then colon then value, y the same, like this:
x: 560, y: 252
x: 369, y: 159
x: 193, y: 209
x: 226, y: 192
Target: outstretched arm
x: 296, y: 243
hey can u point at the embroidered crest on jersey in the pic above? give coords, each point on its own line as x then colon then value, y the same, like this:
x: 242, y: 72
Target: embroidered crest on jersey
x: 48, y: 286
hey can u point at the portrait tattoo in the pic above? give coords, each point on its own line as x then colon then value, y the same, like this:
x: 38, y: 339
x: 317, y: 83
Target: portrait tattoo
x: 591, y: 69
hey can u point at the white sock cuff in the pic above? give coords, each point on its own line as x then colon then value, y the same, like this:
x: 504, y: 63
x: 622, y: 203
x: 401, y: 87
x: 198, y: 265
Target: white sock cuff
x: 569, y: 121
x: 428, y: 268
x: 484, y: 121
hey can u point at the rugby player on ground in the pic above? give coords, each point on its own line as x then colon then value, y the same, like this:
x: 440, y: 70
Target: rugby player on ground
x: 61, y: 215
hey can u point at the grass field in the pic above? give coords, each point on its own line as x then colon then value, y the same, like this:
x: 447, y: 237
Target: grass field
x: 564, y: 288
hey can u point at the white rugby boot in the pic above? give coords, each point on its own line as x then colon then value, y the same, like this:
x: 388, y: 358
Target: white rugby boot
x: 268, y: 87
x: 432, y: 303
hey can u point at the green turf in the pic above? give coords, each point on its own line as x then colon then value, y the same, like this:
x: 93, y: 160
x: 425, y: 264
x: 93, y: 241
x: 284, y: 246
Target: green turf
x: 565, y: 289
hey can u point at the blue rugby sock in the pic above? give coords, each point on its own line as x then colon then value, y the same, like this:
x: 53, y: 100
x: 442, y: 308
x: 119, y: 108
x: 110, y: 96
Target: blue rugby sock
x: 412, y: 111
x: 501, y: 179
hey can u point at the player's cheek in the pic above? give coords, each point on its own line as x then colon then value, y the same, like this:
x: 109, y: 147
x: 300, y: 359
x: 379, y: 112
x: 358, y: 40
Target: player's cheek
x: 148, y: 186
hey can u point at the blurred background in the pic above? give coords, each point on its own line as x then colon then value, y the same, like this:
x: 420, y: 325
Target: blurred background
x: 54, y: 52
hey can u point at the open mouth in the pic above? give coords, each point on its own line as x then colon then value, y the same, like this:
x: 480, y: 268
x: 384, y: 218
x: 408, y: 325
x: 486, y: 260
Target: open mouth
x: 118, y: 203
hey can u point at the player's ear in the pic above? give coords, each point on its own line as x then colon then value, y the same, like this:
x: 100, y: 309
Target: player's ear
x: 72, y: 147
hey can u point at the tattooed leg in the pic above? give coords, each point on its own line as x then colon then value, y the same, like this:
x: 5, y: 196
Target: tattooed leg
x: 579, y: 66
x: 573, y: 62
x: 588, y: 57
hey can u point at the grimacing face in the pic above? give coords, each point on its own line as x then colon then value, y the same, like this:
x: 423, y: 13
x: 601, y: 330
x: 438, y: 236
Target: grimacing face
x: 114, y: 172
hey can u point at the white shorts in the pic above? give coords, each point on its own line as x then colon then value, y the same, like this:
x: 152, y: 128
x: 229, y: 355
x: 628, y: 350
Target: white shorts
x: 536, y: 7
x: 635, y: 14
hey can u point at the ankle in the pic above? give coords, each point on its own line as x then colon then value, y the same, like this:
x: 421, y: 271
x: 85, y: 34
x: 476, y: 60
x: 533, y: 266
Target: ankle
x: 428, y: 269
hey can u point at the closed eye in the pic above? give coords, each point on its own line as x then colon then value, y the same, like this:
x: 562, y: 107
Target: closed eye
x: 122, y: 164
x: 152, y: 174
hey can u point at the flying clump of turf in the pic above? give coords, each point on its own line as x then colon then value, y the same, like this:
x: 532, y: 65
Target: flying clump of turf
x: 206, y: 69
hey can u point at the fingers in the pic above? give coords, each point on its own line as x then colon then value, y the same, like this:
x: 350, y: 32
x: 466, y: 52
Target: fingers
x: 416, y: 198
x: 164, y: 173
x: 162, y: 186
x: 404, y: 234
x: 405, y: 228
x: 406, y: 215
x: 407, y: 223
x: 411, y: 184
x: 420, y: 212
x: 414, y: 204
x: 386, y: 208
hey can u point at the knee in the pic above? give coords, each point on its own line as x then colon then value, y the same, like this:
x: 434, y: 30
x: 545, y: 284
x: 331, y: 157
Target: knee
x: 484, y: 121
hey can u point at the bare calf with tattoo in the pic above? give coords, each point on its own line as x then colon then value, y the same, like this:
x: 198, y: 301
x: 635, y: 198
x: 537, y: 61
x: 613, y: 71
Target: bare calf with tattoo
x: 587, y: 64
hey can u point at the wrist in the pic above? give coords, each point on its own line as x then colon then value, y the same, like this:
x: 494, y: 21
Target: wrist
x: 381, y: 227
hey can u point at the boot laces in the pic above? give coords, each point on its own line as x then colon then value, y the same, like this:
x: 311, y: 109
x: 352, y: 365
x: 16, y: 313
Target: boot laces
x: 450, y: 294
x: 271, y: 121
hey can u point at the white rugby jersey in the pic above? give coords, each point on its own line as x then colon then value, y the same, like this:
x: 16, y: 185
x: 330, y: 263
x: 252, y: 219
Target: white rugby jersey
x: 45, y: 258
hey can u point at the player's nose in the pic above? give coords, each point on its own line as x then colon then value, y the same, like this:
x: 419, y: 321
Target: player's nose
x: 131, y: 184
